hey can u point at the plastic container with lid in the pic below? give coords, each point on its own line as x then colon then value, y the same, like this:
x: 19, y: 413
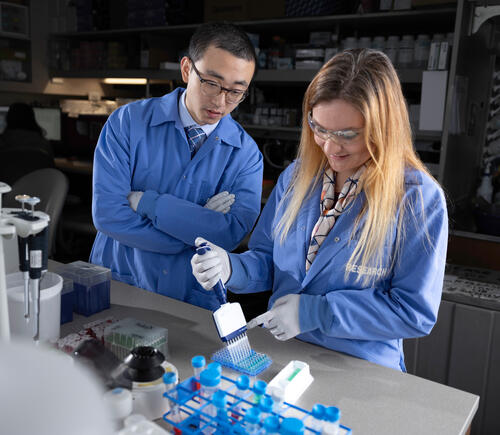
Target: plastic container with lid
x: 119, y: 404
x: 50, y: 307
x: 67, y: 300
x: 92, y: 285
x: 145, y: 369
x: 126, y: 334
x: 406, y: 50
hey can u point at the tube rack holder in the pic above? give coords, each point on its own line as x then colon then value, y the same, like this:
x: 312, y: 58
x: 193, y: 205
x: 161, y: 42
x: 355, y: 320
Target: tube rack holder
x: 194, y: 419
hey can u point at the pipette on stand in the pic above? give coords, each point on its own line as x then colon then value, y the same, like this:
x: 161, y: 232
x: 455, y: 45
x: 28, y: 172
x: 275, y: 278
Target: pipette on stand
x: 24, y: 261
x: 229, y: 320
x: 37, y: 249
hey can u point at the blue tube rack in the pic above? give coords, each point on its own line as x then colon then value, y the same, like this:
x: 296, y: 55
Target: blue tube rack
x: 194, y: 418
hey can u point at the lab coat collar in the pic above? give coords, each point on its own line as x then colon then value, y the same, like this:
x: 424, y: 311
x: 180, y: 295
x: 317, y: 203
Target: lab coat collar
x: 168, y: 111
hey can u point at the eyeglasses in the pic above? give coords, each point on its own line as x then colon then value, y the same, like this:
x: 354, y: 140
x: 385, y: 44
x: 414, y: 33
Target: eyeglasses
x: 342, y: 137
x: 212, y: 89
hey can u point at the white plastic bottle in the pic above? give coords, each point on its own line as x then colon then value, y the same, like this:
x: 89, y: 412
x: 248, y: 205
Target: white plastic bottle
x: 421, y: 53
x: 392, y: 48
x: 406, y: 50
x: 378, y: 43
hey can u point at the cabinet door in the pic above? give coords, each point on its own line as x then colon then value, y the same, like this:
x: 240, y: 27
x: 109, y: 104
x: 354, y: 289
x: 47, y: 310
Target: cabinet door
x: 428, y: 356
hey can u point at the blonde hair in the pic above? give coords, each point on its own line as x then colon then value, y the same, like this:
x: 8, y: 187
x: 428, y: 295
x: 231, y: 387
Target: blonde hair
x: 367, y: 80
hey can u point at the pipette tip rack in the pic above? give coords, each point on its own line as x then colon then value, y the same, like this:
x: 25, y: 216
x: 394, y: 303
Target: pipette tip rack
x: 251, y: 365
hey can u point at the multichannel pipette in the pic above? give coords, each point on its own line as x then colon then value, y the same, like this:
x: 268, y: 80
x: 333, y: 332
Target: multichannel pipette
x: 229, y: 320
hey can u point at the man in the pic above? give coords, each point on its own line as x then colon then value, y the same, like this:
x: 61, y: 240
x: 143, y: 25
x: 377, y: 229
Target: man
x: 169, y: 169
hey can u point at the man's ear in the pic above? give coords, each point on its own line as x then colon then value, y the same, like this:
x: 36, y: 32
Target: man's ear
x: 185, y: 68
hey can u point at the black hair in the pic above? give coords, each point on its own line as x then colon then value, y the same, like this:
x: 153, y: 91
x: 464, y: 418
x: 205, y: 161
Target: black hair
x: 225, y: 36
x: 21, y: 117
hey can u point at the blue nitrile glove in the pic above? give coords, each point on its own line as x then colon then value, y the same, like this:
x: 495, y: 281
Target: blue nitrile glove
x: 282, y: 319
x: 211, y: 266
x: 221, y: 202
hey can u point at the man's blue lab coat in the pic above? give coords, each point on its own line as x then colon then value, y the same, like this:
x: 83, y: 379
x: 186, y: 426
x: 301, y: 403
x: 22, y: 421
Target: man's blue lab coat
x: 143, y: 147
x: 336, y: 311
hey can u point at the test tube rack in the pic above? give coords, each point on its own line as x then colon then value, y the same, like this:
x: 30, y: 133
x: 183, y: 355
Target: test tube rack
x: 194, y: 420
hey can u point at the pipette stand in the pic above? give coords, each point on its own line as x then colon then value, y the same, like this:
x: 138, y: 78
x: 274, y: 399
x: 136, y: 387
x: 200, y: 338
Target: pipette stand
x: 13, y: 222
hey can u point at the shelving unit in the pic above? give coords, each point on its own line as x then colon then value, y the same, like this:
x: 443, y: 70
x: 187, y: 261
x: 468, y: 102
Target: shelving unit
x: 15, y: 43
x: 455, y: 162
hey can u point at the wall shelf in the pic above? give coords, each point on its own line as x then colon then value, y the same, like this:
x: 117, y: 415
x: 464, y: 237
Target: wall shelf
x: 289, y: 76
x: 305, y: 23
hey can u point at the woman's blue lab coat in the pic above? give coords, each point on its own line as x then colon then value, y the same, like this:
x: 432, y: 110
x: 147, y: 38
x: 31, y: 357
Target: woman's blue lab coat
x: 336, y: 311
x: 143, y: 147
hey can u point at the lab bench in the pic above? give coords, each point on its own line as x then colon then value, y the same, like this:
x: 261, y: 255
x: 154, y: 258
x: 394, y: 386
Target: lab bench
x: 373, y: 399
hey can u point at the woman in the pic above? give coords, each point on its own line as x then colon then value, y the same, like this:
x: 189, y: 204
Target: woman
x: 353, y: 239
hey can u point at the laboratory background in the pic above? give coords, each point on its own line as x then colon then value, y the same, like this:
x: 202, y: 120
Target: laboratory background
x: 131, y: 361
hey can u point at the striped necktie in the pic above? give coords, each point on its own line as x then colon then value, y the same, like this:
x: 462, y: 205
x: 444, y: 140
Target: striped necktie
x: 195, y: 136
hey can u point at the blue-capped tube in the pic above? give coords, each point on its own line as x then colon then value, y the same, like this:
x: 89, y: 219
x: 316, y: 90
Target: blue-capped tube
x: 271, y: 425
x: 242, y: 386
x: 170, y: 381
x: 277, y: 393
x: 332, y: 421
x: 252, y: 419
x: 210, y: 381
x: 259, y: 389
x: 219, y: 400
x: 266, y: 406
x: 292, y: 426
x: 318, y: 415
x: 198, y: 362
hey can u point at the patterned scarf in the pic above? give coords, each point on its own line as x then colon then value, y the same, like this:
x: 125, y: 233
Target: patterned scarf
x: 329, y: 212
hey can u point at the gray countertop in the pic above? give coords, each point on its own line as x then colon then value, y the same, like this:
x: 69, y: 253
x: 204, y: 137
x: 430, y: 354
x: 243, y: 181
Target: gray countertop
x: 373, y: 399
